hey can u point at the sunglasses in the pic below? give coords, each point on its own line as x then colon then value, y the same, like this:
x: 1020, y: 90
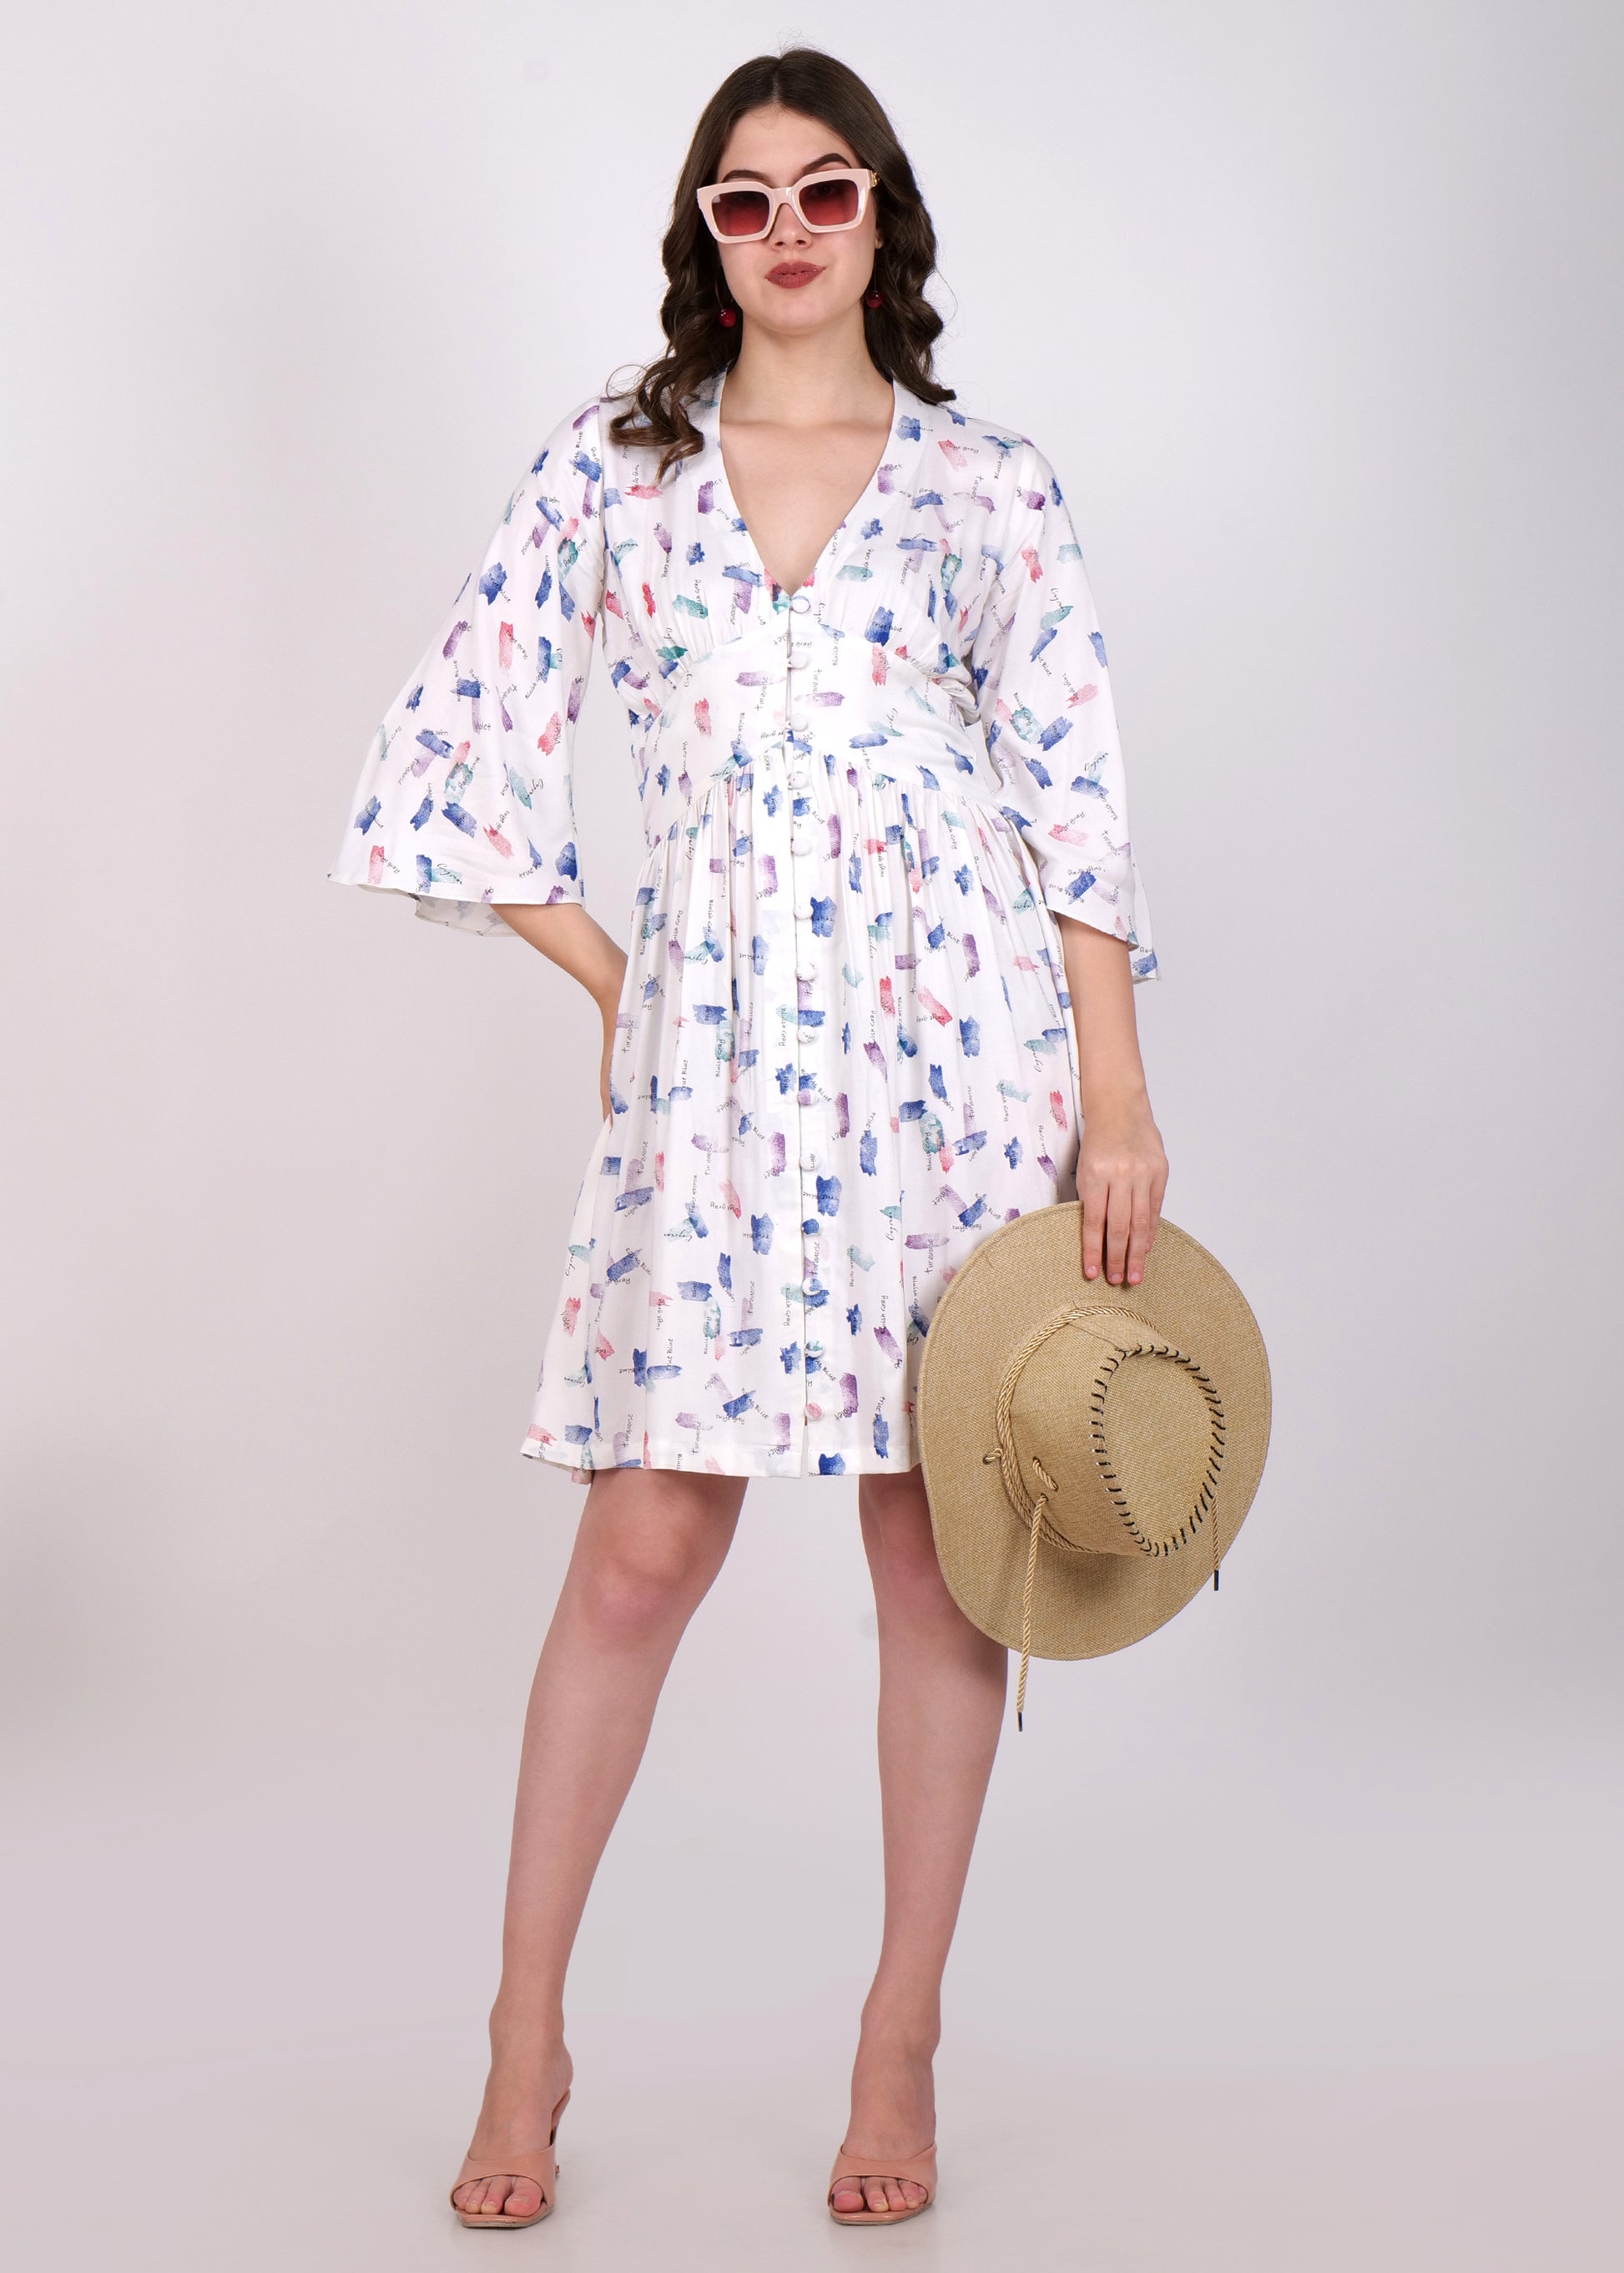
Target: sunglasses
x: 832, y: 198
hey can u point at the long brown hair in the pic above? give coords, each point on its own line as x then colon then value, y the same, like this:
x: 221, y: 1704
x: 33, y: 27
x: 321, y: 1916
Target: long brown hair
x: 899, y: 333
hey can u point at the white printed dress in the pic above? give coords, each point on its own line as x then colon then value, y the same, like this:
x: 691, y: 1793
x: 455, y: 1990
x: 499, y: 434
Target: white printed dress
x: 843, y: 1052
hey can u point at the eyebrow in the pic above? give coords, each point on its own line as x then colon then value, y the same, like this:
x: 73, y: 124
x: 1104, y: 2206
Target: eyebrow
x: 750, y: 173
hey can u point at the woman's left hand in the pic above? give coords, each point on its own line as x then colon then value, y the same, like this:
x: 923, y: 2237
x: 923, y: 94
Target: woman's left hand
x: 1122, y: 1171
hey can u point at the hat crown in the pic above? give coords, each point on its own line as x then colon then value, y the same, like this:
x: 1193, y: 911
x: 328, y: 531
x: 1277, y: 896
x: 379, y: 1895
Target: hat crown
x: 1110, y: 1436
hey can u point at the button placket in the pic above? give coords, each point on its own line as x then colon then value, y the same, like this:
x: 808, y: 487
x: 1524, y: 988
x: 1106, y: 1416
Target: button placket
x: 806, y: 827
x: 795, y: 658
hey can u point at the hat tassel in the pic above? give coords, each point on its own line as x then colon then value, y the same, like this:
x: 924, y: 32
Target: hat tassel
x: 1038, y: 1506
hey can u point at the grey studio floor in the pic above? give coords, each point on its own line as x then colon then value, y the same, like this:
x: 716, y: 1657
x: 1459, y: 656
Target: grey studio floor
x: 1233, y: 1989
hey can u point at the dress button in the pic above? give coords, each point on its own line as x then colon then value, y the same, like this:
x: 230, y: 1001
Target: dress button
x: 800, y: 604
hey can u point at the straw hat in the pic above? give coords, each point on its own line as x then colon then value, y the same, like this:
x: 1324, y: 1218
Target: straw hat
x: 1132, y: 1422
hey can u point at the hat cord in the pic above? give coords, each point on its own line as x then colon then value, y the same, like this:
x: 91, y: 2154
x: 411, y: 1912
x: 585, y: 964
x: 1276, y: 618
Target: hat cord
x: 1040, y: 1502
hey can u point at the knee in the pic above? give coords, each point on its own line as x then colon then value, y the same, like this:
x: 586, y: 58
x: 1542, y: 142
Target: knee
x: 641, y: 1578
x: 902, y: 1555
x: 634, y: 1591
x: 909, y: 1580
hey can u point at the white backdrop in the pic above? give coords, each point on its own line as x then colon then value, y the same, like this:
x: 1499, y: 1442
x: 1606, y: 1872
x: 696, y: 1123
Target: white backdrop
x: 1292, y: 1933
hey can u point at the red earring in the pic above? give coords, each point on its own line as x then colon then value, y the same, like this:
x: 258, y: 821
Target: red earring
x: 874, y: 297
x: 728, y: 316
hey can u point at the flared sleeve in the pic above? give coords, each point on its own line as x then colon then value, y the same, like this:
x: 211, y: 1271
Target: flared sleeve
x: 1038, y: 660
x: 465, y: 795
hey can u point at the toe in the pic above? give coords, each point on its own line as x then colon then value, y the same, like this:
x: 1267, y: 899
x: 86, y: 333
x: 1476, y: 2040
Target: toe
x: 876, y: 2193
x: 523, y: 2198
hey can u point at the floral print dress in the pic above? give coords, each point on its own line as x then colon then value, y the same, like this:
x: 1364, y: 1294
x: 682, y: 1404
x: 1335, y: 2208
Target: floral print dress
x: 843, y: 1050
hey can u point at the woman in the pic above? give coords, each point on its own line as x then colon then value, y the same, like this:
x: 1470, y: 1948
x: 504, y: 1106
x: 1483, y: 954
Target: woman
x: 881, y: 956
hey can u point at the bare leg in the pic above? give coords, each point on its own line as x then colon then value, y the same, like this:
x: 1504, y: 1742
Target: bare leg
x: 650, y: 1544
x: 942, y: 1692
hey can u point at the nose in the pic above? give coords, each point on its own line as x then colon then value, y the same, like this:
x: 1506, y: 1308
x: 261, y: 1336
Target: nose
x: 783, y: 228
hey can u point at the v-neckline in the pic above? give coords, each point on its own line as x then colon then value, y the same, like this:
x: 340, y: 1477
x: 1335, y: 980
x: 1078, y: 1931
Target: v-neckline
x: 902, y: 401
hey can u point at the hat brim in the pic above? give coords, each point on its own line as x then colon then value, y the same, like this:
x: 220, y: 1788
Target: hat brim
x: 1085, y: 1605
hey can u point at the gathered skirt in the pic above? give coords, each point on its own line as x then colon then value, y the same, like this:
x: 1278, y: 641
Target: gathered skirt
x: 843, y: 1056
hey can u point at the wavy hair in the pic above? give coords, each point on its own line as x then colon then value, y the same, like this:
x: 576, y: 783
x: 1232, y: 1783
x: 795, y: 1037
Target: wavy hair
x: 900, y: 333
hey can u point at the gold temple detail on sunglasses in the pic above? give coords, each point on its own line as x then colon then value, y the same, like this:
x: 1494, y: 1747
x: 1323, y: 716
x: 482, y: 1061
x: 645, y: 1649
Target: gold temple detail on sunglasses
x: 830, y: 197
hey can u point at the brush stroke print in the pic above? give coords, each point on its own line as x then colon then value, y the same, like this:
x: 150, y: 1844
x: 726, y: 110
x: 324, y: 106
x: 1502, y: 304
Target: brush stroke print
x: 843, y: 1050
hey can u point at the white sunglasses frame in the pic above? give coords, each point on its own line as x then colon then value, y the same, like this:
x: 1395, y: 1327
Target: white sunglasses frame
x: 864, y: 176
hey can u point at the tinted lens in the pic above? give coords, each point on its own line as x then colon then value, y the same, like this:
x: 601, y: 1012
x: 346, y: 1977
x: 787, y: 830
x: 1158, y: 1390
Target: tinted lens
x: 829, y: 205
x: 741, y: 212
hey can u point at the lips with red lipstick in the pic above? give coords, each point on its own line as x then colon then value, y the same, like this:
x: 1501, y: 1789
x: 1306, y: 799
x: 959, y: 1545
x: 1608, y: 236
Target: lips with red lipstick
x: 793, y: 274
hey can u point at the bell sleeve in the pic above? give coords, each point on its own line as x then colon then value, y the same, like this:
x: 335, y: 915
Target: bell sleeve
x: 464, y: 797
x: 1038, y: 661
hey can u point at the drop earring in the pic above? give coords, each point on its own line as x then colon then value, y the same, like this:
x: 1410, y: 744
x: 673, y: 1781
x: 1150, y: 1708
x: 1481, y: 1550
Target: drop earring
x: 874, y: 297
x: 728, y: 316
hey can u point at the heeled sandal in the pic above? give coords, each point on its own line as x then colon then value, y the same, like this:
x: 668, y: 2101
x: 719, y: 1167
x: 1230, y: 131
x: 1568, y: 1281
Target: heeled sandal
x: 537, y: 2164
x: 919, y: 2170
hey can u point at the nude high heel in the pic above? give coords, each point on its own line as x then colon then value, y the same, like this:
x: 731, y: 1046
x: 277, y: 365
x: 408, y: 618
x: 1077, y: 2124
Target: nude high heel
x: 539, y: 2164
x: 919, y: 2170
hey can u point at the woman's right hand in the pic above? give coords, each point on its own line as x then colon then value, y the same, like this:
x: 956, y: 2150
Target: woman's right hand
x: 567, y: 935
x: 608, y: 1009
